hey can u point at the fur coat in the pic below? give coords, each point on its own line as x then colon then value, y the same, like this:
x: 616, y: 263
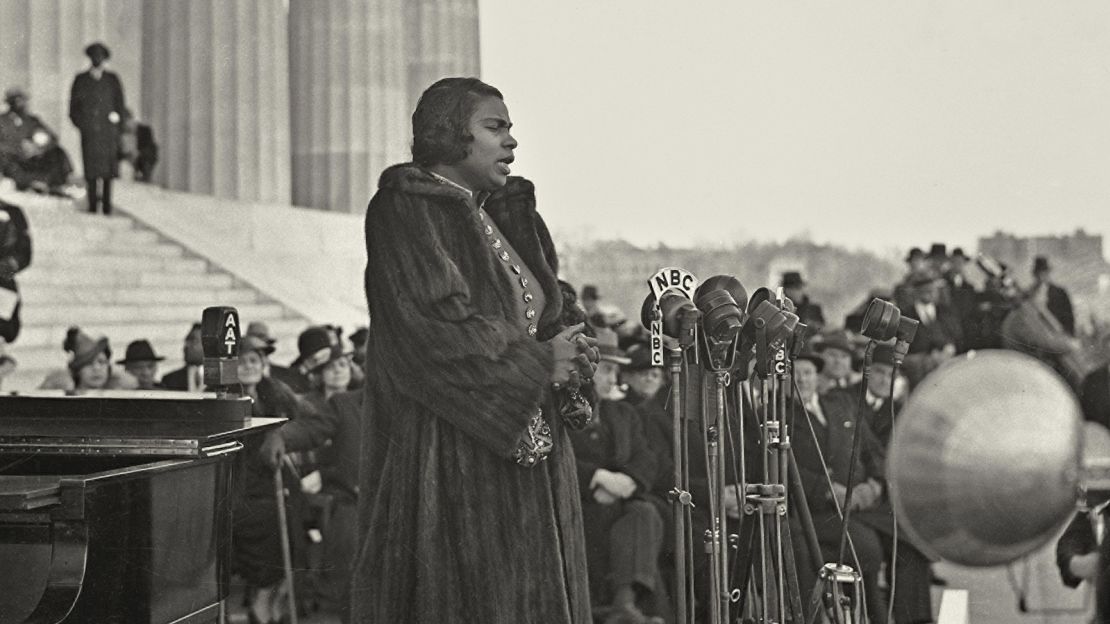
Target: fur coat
x: 452, y: 529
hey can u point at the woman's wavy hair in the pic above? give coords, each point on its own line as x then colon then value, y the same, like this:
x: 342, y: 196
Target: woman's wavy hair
x: 439, y: 123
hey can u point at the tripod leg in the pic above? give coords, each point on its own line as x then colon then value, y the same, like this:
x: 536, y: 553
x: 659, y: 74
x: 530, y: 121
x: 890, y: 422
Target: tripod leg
x: 801, y: 505
x: 744, y: 560
x: 793, y: 591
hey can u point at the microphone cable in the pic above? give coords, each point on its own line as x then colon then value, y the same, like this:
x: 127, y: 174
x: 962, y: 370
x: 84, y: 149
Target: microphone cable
x: 893, y: 516
x: 832, y: 493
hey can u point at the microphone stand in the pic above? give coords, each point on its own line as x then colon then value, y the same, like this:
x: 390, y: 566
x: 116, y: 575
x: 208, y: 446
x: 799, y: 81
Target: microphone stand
x: 721, y: 358
x: 841, y: 586
x: 765, y: 504
x: 681, y: 499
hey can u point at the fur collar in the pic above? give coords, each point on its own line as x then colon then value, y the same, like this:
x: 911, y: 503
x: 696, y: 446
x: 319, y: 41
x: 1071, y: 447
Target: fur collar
x: 413, y: 179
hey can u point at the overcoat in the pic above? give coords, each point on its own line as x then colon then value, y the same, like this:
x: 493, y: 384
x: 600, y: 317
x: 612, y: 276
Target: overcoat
x: 91, y: 103
x: 452, y: 528
x: 15, y: 255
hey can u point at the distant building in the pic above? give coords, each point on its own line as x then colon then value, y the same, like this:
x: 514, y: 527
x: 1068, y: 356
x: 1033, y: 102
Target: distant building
x: 1076, y: 259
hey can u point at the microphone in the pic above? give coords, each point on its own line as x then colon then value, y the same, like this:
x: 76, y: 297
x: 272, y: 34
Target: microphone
x: 219, y: 339
x: 883, y: 321
x: 720, y: 299
x: 680, y: 317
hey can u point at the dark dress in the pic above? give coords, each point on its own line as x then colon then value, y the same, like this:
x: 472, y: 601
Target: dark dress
x: 15, y: 255
x: 453, y: 529
x: 91, y: 101
x: 255, y: 533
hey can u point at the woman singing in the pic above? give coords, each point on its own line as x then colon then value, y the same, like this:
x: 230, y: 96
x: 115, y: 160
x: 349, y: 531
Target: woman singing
x: 469, y: 504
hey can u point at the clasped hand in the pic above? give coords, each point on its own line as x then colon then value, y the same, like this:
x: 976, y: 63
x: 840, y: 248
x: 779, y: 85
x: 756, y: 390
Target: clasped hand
x: 576, y: 356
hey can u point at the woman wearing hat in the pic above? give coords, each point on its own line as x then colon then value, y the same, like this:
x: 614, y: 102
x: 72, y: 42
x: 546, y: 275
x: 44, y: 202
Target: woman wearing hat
x: 256, y: 546
x: 329, y: 372
x: 96, y: 107
x: 89, y: 367
x: 468, y: 477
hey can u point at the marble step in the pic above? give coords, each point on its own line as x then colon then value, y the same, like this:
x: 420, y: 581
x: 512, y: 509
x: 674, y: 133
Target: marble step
x: 81, y: 275
x: 48, y: 247
x: 109, y: 237
x: 118, y: 263
x: 48, y: 218
x: 69, y: 295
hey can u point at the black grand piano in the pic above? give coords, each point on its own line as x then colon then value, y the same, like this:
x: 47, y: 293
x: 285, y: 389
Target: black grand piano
x: 115, y: 507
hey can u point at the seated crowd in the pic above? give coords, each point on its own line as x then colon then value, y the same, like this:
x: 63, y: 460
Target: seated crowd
x: 319, y: 392
x: 623, y: 533
x: 625, y: 455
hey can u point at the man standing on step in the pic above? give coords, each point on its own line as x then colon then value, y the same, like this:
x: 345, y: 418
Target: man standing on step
x: 96, y: 108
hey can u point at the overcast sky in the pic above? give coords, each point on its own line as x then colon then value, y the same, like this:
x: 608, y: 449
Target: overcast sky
x: 866, y: 123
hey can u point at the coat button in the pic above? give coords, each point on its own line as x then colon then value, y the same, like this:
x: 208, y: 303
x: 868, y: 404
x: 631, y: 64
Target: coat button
x: 497, y: 244
x: 527, y: 297
x: 530, y: 313
x: 489, y: 230
x: 531, y: 329
x: 505, y: 256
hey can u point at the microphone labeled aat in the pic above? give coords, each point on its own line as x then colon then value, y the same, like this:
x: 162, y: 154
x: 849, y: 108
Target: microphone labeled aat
x: 219, y: 337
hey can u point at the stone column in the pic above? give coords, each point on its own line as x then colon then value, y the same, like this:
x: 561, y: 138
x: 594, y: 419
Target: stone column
x: 216, y: 92
x: 357, y: 68
x: 42, y: 48
x: 442, y: 40
x: 347, y: 90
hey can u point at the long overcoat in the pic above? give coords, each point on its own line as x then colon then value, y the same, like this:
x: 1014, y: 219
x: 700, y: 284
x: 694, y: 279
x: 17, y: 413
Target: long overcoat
x: 453, y: 529
x: 91, y: 104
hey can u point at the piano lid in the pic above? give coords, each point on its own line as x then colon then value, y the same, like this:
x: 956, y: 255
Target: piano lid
x: 157, y: 423
x: 126, y: 404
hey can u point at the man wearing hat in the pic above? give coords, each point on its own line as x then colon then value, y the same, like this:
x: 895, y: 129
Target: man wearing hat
x: 917, y: 266
x: 912, y: 598
x: 616, y: 467
x: 877, y: 396
x: 832, y: 417
x: 838, y: 354
x: 810, y: 313
x: 97, y: 108
x: 590, y: 299
x: 141, y: 361
x: 939, y: 333
x: 962, y: 296
x: 1057, y: 299
x: 29, y: 151
x: 938, y: 258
